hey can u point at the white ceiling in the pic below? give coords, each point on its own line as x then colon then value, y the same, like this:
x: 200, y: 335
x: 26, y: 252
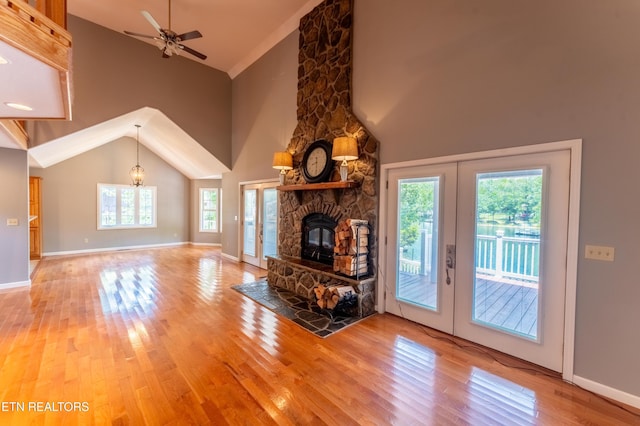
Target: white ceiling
x: 157, y: 132
x: 234, y: 32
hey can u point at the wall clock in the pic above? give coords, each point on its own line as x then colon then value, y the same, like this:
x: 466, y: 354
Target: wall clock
x: 317, y: 163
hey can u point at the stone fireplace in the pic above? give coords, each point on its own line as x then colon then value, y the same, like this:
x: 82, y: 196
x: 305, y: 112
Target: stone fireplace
x: 307, y: 212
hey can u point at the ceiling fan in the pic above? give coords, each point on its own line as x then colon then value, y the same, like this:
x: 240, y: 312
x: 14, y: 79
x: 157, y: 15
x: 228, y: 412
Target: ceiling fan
x: 167, y: 40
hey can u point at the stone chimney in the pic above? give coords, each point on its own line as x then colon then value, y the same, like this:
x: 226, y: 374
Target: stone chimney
x: 324, y: 112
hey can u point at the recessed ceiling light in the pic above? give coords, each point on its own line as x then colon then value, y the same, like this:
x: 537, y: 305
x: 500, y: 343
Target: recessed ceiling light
x: 21, y: 107
x: 3, y: 61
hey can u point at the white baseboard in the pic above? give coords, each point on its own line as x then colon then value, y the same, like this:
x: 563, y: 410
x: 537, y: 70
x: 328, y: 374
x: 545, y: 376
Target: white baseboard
x: 207, y: 244
x: 600, y: 389
x: 228, y: 256
x: 17, y: 284
x: 103, y: 249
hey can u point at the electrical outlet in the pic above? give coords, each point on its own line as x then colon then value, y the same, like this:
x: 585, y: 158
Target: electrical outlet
x: 599, y: 253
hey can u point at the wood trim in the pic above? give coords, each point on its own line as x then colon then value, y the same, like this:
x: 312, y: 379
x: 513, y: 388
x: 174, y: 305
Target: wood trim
x: 319, y: 186
x: 32, y: 32
x: 17, y: 132
x: 54, y: 9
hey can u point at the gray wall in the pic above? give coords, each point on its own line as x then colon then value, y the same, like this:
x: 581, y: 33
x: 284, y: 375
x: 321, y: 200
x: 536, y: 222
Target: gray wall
x: 114, y: 74
x: 14, y: 204
x: 264, y: 118
x: 194, y: 230
x: 69, y: 203
x: 440, y: 77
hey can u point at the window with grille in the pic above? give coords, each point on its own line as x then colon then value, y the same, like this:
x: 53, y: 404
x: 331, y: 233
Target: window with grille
x: 123, y: 206
x: 210, y: 209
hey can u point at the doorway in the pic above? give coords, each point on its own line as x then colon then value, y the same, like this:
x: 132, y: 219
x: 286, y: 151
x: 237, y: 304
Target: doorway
x: 259, y: 222
x: 479, y: 246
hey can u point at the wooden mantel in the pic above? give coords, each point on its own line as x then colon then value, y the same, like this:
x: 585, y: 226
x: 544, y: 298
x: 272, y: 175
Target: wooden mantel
x: 319, y: 186
x: 323, y: 186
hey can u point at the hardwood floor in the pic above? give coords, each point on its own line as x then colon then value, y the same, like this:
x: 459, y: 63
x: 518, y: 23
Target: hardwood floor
x: 158, y: 337
x: 505, y: 303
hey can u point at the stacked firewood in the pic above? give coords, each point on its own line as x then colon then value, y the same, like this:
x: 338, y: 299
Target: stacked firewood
x: 351, y: 248
x: 329, y: 297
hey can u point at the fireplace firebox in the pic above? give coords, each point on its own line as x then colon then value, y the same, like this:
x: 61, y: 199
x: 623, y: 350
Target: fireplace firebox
x: 318, y: 238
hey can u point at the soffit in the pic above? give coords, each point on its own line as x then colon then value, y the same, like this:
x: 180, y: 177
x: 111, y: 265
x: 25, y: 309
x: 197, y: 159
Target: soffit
x: 157, y: 133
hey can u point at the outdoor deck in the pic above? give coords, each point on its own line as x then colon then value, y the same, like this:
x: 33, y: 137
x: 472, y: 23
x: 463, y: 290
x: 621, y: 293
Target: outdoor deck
x: 506, y: 304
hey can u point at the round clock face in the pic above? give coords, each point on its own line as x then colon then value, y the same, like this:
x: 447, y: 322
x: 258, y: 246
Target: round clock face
x: 317, y: 163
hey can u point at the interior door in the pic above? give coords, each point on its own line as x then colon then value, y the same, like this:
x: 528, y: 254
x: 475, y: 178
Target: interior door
x: 478, y: 249
x: 259, y: 222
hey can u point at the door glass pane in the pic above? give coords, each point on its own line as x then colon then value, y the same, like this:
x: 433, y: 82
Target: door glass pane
x: 507, y: 251
x: 417, y: 251
x: 250, y: 219
x: 270, y: 221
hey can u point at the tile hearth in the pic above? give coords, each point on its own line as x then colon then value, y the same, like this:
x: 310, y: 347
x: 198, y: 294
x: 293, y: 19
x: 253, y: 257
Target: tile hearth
x: 300, y: 310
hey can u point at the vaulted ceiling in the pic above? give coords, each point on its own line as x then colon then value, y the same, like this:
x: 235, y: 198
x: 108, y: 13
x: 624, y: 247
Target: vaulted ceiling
x: 235, y: 33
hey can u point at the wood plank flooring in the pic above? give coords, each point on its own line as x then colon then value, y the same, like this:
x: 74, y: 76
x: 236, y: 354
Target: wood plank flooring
x: 504, y: 304
x: 157, y: 337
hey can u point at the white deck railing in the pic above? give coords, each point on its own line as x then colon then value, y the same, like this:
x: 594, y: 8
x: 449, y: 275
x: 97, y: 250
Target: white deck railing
x: 498, y: 256
x: 510, y: 257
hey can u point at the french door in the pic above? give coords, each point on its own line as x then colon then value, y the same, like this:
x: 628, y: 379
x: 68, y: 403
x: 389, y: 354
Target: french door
x: 259, y: 222
x: 419, y: 229
x: 478, y: 249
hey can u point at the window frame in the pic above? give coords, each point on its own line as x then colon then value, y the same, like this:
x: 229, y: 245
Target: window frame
x: 119, y: 188
x: 217, y: 209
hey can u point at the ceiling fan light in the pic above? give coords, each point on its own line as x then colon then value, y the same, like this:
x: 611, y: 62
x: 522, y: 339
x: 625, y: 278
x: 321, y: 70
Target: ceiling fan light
x: 172, y: 48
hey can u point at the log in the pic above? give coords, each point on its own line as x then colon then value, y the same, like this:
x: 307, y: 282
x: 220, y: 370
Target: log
x: 329, y: 297
x: 351, y: 247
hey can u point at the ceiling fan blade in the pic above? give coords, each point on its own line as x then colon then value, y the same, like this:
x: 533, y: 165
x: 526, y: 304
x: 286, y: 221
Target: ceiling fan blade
x: 152, y: 21
x: 193, y: 52
x: 190, y: 35
x: 140, y: 35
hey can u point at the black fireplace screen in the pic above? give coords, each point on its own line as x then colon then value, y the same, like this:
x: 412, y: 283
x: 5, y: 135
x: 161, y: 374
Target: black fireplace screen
x: 318, y: 238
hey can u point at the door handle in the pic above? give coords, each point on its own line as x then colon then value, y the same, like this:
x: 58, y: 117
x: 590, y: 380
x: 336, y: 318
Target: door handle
x: 450, y: 260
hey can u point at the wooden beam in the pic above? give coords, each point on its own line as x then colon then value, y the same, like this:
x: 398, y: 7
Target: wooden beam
x: 16, y: 132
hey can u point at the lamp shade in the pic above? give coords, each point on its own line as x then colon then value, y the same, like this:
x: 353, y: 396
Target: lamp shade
x: 344, y: 148
x: 282, y: 161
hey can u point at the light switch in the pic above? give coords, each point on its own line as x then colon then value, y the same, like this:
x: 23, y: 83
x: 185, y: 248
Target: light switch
x: 12, y: 222
x: 599, y: 253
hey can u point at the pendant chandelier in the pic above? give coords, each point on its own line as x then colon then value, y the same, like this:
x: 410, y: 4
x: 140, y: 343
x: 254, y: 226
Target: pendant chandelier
x: 137, y: 172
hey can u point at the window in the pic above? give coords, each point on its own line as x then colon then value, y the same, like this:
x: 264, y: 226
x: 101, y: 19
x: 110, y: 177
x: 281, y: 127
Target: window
x: 123, y: 206
x: 209, y: 209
